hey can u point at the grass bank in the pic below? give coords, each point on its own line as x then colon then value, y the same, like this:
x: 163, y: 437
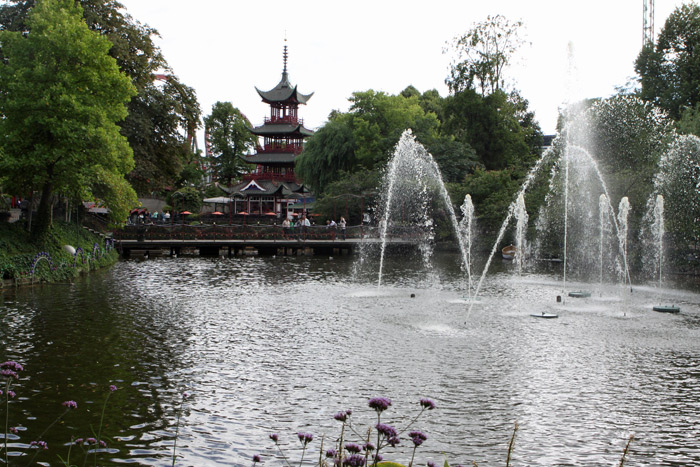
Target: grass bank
x: 23, y: 260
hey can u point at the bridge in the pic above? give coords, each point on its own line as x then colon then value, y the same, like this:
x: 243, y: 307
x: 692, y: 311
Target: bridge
x: 232, y: 240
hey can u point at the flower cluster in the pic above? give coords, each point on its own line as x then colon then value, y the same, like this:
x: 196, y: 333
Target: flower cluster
x: 10, y: 369
x: 343, y: 415
x: 380, y: 404
x: 38, y: 445
x: 364, y: 453
x: 417, y: 437
x: 305, y: 438
x: 70, y: 404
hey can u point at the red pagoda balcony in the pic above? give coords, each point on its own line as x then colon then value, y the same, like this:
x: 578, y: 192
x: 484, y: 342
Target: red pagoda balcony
x: 272, y: 148
x: 278, y: 177
x: 289, y: 119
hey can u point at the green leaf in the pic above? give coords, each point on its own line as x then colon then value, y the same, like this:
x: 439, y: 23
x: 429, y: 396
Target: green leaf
x: 389, y: 464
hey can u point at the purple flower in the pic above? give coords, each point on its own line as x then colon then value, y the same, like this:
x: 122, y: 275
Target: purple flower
x: 387, y: 430
x: 103, y: 444
x: 79, y: 441
x: 369, y: 447
x: 11, y: 365
x: 275, y: 437
x: 393, y: 441
x: 354, y: 461
x: 256, y: 458
x: 427, y: 404
x: 70, y: 404
x: 431, y: 464
x: 91, y: 441
x: 39, y: 444
x: 341, y: 416
x: 331, y: 453
x: 9, y: 373
x: 353, y: 448
x: 14, y: 430
x: 305, y: 438
x: 378, y: 458
x: 11, y: 394
x: 112, y: 388
x: 380, y: 404
x: 417, y: 437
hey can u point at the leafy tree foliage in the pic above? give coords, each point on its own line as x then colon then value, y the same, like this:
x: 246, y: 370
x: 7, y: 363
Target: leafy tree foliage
x: 349, y: 196
x: 482, y: 54
x: 689, y: 124
x: 229, y: 138
x: 186, y: 199
x: 364, y: 137
x: 163, y: 116
x: 498, y: 126
x: 328, y: 153
x: 629, y: 136
x: 61, y: 95
x: 670, y: 70
x: 678, y: 181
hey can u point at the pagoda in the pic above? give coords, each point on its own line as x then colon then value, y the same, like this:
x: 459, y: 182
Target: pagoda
x: 272, y: 187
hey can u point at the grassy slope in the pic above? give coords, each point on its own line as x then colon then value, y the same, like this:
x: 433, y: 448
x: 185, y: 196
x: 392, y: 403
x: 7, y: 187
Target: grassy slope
x: 18, y: 252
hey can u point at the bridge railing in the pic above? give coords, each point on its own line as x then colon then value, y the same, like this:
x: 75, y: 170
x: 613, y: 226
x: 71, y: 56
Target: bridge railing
x: 171, y: 232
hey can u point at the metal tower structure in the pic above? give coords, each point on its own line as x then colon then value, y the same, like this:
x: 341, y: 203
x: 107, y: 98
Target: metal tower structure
x: 648, y: 28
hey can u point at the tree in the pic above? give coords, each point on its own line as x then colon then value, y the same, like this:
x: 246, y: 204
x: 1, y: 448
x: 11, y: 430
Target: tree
x: 482, y: 54
x: 229, y: 138
x: 670, y: 70
x: 364, y: 137
x: 328, y: 153
x: 498, y: 126
x: 163, y: 116
x: 61, y: 96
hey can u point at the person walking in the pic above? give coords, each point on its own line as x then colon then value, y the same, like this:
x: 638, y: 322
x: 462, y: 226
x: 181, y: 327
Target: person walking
x: 342, y: 224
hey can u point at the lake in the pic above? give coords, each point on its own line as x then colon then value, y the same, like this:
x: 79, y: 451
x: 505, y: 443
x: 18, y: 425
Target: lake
x: 267, y: 345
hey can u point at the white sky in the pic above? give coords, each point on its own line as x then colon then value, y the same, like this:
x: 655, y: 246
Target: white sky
x: 224, y: 48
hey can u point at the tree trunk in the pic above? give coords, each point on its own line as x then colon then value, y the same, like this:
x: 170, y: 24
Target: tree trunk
x: 43, y: 222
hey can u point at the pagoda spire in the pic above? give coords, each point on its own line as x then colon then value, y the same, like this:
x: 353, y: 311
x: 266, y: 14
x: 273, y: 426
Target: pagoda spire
x: 285, y: 55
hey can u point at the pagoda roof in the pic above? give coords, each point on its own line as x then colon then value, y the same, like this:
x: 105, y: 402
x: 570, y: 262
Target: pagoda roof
x: 266, y: 187
x: 284, y: 92
x: 270, y: 158
x: 269, y: 129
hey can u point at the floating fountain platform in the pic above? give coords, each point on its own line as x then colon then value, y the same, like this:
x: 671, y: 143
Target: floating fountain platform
x: 580, y: 294
x: 667, y: 308
x: 544, y: 315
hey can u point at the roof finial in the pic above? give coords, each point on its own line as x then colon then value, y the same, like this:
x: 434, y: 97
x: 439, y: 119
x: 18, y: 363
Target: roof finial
x: 284, y: 54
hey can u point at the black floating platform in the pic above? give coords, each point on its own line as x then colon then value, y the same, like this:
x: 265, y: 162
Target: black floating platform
x: 544, y: 315
x: 580, y: 294
x: 667, y: 309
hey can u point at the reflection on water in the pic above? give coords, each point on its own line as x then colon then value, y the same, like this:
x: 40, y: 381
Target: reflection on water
x: 279, y: 345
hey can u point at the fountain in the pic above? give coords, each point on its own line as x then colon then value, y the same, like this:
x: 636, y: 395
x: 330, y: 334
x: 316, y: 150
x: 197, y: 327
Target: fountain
x: 411, y: 179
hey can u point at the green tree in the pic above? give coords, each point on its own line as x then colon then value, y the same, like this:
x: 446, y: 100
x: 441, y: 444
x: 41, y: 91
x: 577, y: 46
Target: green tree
x: 669, y: 71
x: 328, y: 153
x: 689, y: 124
x: 163, y: 116
x: 364, y: 137
x: 482, y: 54
x: 229, y: 138
x: 498, y: 126
x: 678, y: 180
x: 61, y: 95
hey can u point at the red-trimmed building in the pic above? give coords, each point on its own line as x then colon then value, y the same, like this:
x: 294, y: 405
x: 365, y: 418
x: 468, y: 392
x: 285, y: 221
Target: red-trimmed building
x: 273, y: 187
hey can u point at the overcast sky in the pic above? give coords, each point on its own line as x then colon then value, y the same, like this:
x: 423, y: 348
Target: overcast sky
x: 224, y: 48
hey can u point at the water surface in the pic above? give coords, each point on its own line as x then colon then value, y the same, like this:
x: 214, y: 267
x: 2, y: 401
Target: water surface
x: 281, y: 344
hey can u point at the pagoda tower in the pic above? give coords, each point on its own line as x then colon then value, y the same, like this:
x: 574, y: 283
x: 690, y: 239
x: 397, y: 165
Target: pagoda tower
x: 283, y: 132
x: 272, y: 187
